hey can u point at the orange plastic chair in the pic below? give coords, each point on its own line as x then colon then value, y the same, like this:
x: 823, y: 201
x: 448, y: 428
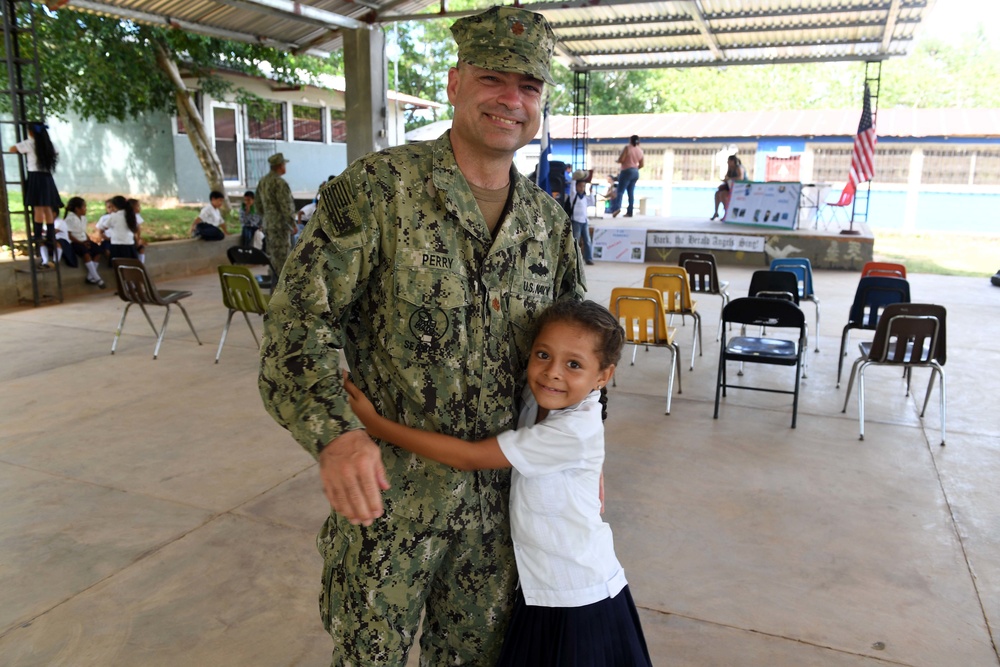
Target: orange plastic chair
x: 887, y: 269
x: 640, y: 312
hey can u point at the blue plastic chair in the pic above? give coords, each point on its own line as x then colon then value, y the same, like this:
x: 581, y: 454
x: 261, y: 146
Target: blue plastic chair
x: 874, y: 293
x: 802, y: 269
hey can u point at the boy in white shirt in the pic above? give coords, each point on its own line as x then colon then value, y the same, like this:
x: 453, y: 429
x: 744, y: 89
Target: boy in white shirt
x: 209, y: 225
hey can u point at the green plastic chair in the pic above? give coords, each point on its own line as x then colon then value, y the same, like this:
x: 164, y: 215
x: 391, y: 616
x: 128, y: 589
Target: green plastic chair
x: 240, y: 292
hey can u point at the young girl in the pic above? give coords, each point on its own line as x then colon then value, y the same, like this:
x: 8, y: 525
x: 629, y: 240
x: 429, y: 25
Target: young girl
x: 82, y: 246
x: 573, y: 606
x: 120, y: 228
x: 40, y: 192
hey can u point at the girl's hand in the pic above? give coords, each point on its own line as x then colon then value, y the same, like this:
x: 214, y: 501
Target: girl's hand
x: 360, y: 404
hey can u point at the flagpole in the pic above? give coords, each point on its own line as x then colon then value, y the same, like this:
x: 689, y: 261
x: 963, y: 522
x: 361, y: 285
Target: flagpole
x: 862, y: 159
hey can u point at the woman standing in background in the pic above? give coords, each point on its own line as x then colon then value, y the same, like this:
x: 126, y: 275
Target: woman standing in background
x: 631, y: 160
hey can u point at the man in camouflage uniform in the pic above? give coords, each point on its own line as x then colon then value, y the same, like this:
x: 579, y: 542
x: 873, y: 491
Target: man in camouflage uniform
x: 274, y: 200
x: 426, y: 263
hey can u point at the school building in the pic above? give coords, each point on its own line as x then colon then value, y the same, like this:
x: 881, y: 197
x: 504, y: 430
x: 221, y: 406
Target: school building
x: 935, y: 169
x: 151, y: 157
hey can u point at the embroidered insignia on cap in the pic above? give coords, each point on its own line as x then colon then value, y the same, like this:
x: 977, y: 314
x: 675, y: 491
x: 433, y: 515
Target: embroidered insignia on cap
x: 517, y: 28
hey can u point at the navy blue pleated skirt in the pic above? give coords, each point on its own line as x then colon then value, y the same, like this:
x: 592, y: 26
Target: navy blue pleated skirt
x: 40, y: 190
x: 602, y: 634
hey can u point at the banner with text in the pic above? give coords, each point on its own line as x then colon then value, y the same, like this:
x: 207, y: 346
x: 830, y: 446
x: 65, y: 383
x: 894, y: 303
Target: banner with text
x: 705, y: 241
x: 619, y: 244
x: 764, y: 204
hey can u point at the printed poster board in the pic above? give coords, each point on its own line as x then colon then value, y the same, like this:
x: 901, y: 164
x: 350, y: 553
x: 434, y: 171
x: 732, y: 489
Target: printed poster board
x: 771, y: 204
x: 619, y: 244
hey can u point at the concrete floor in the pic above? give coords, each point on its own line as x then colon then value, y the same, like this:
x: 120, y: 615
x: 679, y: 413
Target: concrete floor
x: 151, y: 513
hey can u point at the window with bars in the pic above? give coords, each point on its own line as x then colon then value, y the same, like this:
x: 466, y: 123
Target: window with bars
x: 307, y: 123
x: 892, y: 164
x: 708, y: 162
x: 831, y: 165
x: 338, y: 126
x: 266, y: 120
x: 949, y: 166
x: 690, y: 164
x: 987, y: 170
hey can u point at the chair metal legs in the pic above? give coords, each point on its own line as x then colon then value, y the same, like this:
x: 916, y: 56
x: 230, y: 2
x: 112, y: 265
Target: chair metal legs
x: 675, y: 353
x: 815, y: 302
x: 225, y: 331
x: 159, y: 333
x: 859, y: 368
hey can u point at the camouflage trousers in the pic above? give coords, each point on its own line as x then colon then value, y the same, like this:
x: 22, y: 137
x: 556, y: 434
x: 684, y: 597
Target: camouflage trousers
x: 377, y: 580
x: 279, y: 244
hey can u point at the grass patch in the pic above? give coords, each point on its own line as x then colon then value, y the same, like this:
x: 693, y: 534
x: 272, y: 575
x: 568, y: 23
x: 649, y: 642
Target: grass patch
x: 942, y: 253
x: 159, y: 224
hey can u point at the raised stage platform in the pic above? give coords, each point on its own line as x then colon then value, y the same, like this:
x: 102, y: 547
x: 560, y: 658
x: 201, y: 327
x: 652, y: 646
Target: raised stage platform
x: 659, y: 240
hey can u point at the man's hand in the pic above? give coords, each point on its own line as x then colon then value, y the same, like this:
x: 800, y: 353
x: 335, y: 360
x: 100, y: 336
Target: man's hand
x: 353, y: 477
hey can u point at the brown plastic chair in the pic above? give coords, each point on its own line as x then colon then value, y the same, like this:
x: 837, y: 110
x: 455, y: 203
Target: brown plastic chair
x: 703, y: 278
x: 910, y: 335
x: 640, y: 312
x: 240, y: 292
x: 136, y: 287
x: 885, y: 269
x: 672, y: 282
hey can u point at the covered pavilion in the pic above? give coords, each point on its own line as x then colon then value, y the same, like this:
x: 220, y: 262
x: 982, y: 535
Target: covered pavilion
x: 151, y: 512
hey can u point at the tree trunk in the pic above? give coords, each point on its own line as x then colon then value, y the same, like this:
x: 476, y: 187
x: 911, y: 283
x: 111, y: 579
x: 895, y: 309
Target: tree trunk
x: 193, y: 123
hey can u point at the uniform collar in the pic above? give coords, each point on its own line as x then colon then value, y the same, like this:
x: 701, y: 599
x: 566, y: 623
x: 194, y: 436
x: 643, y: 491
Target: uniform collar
x: 456, y: 197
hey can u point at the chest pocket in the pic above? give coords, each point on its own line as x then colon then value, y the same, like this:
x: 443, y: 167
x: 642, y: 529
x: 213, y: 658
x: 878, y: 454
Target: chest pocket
x: 532, y: 288
x: 431, y: 318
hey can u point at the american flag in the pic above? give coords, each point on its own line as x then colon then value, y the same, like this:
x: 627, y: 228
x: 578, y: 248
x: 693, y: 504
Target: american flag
x: 863, y: 158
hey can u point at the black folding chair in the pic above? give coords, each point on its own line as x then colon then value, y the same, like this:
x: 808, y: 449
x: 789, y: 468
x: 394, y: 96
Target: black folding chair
x: 762, y: 312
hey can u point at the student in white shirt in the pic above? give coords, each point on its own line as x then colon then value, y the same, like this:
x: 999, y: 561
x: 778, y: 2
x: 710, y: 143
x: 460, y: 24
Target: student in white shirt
x: 121, y: 229
x: 209, y: 225
x: 80, y: 243
x: 573, y: 606
x: 576, y: 208
x: 40, y: 192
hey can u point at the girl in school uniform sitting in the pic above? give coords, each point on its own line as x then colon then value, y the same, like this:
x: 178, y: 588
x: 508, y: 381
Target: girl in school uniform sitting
x: 573, y: 607
x: 120, y: 228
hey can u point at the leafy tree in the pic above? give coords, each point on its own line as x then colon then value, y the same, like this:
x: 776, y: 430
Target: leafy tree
x: 105, y: 68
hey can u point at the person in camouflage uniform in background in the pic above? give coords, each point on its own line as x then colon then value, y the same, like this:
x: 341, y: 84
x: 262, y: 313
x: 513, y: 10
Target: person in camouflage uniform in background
x: 426, y: 263
x: 277, y: 207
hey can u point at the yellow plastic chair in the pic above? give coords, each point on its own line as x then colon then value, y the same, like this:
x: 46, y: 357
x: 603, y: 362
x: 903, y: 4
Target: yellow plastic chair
x: 135, y: 286
x: 672, y: 282
x: 240, y: 292
x: 640, y: 312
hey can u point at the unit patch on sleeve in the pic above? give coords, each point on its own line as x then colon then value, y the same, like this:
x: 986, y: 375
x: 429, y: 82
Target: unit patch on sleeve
x: 337, y: 200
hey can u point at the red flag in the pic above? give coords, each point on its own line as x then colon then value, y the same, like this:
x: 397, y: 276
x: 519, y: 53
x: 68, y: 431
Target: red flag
x: 863, y: 158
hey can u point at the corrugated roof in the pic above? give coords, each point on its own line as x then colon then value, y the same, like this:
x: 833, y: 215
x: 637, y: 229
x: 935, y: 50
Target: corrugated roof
x: 896, y: 123
x: 591, y: 34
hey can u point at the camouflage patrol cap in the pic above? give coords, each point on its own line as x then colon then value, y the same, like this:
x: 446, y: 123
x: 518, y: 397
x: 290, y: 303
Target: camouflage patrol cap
x: 506, y: 39
x: 276, y: 159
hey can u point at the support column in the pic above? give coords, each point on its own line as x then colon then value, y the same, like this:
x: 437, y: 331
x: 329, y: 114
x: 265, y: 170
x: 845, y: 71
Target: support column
x: 365, y: 95
x: 913, y: 190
